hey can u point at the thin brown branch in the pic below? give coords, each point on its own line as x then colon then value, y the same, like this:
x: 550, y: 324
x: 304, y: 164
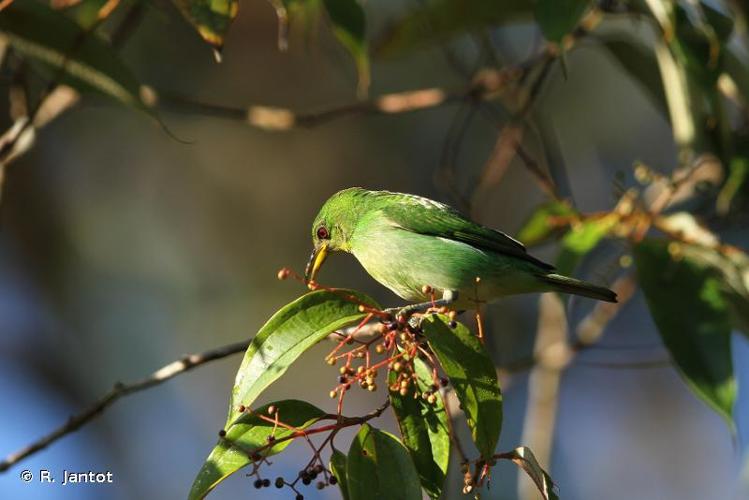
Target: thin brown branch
x: 120, y: 390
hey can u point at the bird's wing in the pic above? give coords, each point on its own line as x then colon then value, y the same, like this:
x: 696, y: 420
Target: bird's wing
x: 425, y: 216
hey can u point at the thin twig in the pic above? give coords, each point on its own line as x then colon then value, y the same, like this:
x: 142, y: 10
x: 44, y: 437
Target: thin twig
x: 118, y: 391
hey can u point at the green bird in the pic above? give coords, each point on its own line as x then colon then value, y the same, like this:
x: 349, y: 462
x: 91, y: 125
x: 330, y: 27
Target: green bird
x: 411, y: 244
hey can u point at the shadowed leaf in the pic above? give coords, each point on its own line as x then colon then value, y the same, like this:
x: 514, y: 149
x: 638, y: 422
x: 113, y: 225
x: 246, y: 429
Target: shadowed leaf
x: 338, y: 468
x: 473, y: 376
x: 290, y: 332
x: 558, y: 18
x: 688, y: 305
x: 349, y: 26
x: 50, y: 37
x: 439, y: 20
x: 581, y: 239
x: 424, y: 429
x: 379, y: 467
x: 248, y: 435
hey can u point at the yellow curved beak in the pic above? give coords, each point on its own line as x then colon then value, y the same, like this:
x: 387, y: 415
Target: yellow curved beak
x: 319, y: 254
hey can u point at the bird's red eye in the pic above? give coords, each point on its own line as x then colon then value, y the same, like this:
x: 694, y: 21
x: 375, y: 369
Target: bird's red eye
x: 322, y: 233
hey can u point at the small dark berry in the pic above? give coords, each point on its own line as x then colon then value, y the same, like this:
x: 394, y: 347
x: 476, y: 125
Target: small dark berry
x: 333, y: 480
x: 320, y: 485
x: 342, y: 379
x: 392, y: 325
x: 299, y: 496
x: 258, y: 483
x: 433, y: 387
x: 256, y: 457
x: 271, y: 439
x: 306, y: 480
x: 280, y: 482
x: 319, y: 468
x: 313, y: 474
x: 222, y: 433
x: 266, y: 483
x: 453, y: 324
x: 444, y: 382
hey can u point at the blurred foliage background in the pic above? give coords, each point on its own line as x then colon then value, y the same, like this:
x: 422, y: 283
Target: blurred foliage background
x: 126, y: 244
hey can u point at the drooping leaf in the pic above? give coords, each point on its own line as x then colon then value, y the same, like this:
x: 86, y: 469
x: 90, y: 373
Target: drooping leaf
x: 472, y: 374
x: 379, y: 467
x: 558, y: 18
x: 524, y: 458
x: 249, y: 435
x: 290, y: 332
x: 692, y: 314
x: 338, y: 468
x: 541, y: 225
x: 439, y: 20
x: 211, y: 18
x: 349, y: 26
x: 50, y: 37
x: 424, y: 428
x: 639, y: 62
x: 581, y: 239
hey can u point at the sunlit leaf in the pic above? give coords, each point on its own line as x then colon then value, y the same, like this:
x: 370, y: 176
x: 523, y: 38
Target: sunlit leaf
x: 581, y: 239
x: 542, y: 225
x: 338, y: 468
x: 249, y: 435
x: 688, y: 305
x: 424, y: 428
x: 472, y: 374
x: 349, y: 25
x: 558, y: 18
x: 379, y: 467
x: 211, y: 18
x: 439, y: 20
x: 290, y: 332
x: 50, y: 37
x: 524, y: 458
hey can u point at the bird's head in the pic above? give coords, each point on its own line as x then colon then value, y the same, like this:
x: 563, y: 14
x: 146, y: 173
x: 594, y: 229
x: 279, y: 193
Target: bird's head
x: 333, y: 227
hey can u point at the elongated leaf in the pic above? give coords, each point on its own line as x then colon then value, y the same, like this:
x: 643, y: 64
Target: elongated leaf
x: 639, y: 62
x: 541, y: 227
x: 581, y: 239
x: 338, y: 468
x: 558, y: 18
x: 39, y: 32
x: 379, y: 467
x: 693, y: 318
x: 249, y: 435
x: 523, y: 457
x: 439, y: 20
x: 424, y: 429
x: 292, y: 330
x: 471, y: 372
x: 349, y: 26
x: 211, y: 18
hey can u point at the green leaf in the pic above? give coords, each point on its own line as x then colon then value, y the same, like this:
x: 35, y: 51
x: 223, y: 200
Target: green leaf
x: 50, y: 37
x: 558, y: 18
x: 467, y: 364
x: 523, y: 457
x: 437, y: 21
x: 248, y: 435
x: 211, y: 18
x: 290, y: 332
x: 338, y: 468
x: 689, y: 308
x: 639, y: 62
x: 541, y: 227
x: 581, y: 239
x: 379, y: 467
x: 349, y: 26
x: 424, y: 428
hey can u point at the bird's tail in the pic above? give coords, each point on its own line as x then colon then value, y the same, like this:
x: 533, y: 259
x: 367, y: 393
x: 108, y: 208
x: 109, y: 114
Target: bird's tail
x: 564, y: 284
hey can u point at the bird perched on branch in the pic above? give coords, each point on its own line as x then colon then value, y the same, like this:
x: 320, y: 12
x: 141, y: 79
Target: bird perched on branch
x: 416, y: 246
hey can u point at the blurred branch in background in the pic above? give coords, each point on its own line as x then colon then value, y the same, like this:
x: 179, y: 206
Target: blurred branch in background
x: 120, y: 390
